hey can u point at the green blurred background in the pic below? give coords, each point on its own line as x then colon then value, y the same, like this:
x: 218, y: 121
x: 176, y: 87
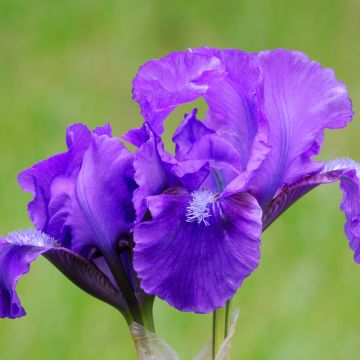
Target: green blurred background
x: 67, y: 61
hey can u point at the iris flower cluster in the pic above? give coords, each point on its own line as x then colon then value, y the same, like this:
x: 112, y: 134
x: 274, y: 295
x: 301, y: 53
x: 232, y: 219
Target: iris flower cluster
x: 185, y: 227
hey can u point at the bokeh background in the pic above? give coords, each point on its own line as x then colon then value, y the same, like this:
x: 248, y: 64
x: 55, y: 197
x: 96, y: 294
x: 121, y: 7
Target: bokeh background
x: 73, y: 61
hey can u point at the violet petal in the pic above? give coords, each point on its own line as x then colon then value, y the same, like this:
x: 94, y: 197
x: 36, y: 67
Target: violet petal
x: 197, y: 266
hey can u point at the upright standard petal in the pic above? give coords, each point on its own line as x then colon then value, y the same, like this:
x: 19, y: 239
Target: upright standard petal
x: 101, y: 209
x: 301, y: 100
x: 83, y: 196
x: 347, y: 172
x: 228, y: 80
x: 39, y: 178
x: 86, y: 202
x: 161, y: 85
x: 236, y: 106
x: 197, y: 249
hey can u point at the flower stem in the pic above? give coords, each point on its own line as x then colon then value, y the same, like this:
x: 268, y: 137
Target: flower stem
x: 147, y: 315
x: 221, y: 323
x: 119, y: 273
x: 227, y: 317
x: 218, y: 330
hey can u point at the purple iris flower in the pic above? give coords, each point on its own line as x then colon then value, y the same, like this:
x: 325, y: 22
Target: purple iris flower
x: 201, y: 212
x: 83, y: 214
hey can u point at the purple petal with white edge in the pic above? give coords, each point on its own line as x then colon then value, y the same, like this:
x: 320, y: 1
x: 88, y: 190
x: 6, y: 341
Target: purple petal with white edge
x: 19, y: 249
x: 198, y: 248
x: 346, y: 171
x: 340, y: 164
x: 302, y: 99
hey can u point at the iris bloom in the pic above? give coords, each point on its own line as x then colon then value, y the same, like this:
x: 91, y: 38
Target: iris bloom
x: 196, y: 217
x: 83, y: 214
x: 201, y: 212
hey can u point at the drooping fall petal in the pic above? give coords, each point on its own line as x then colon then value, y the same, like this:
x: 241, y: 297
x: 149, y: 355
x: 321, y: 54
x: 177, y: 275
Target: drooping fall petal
x: 197, y: 264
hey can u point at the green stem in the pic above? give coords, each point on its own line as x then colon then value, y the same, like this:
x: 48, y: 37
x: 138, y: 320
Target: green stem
x: 147, y: 315
x: 119, y: 273
x: 220, y: 329
x: 227, y: 317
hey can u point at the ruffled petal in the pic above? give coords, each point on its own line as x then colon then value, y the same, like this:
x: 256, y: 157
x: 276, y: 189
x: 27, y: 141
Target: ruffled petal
x: 83, y: 197
x: 197, y: 265
x: 38, y: 179
x: 347, y: 172
x: 236, y: 106
x: 228, y: 80
x: 19, y: 249
x: 161, y: 85
x: 302, y: 99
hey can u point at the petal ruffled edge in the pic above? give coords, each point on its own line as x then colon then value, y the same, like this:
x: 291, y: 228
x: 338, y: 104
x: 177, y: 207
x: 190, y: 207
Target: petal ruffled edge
x: 302, y: 99
x: 38, y: 179
x: 346, y: 171
x: 229, y: 80
x: 192, y: 266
